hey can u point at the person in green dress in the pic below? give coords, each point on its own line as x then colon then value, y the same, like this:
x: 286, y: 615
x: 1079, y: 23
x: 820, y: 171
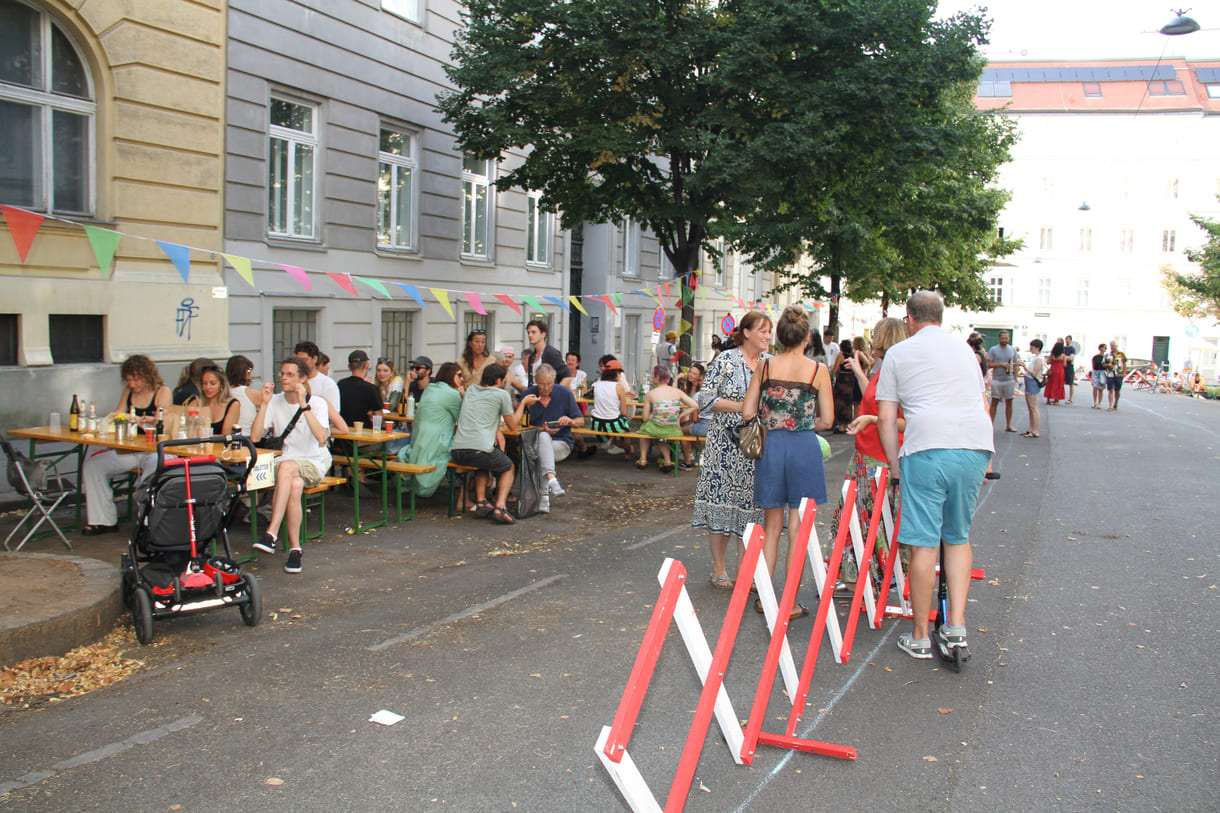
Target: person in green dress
x: 432, y: 433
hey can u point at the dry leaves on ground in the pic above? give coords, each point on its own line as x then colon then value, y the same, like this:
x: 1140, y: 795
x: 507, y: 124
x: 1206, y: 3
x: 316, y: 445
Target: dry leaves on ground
x: 80, y: 671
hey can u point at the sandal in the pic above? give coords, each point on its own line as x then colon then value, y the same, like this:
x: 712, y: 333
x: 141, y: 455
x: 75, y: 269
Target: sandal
x: 482, y: 508
x: 501, y: 516
x: 666, y: 468
x: 721, y: 581
x: 1029, y: 435
x: 798, y: 611
x: 641, y: 464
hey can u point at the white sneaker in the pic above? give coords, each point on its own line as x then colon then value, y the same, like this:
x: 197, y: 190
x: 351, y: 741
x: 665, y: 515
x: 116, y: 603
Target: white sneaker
x: 544, y: 504
x: 615, y: 450
x: 553, y: 486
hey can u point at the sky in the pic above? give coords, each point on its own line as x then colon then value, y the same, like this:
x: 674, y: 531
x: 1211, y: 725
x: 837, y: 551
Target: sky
x: 1092, y: 29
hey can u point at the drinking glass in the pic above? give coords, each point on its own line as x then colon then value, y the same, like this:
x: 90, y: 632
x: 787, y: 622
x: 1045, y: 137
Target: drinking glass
x: 54, y: 421
x: 377, y: 421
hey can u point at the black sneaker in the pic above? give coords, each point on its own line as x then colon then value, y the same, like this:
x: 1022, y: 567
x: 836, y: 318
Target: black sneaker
x: 265, y: 543
x: 293, y: 565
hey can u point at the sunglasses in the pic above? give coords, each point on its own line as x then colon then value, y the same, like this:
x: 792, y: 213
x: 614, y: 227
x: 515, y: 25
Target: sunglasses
x: 478, y: 331
x: 385, y: 361
x: 420, y: 367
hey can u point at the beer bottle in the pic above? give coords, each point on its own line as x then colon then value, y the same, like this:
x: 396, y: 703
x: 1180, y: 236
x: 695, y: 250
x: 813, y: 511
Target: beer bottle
x: 160, y: 423
x: 74, y: 415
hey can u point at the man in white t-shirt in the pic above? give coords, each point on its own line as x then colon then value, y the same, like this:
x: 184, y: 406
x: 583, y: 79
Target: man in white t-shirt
x: 831, y: 346
x: 947, y: 444
x: 319, y: 383
x: 304, y: 460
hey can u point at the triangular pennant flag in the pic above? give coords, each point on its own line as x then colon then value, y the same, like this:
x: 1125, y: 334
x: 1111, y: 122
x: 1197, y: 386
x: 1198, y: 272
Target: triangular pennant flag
x: 687, y: 294
x: 344, y: 281
x: 376, y: 284
x: 104, y: 242
x: 655, y: 294
x: 476, y: 302
x: 242, y: 266
x: 442, y: 296
x: 534, y: 303
x: 677, y: 355
x: 609, y: 303
x: 413, y: 292
x: 508, y: 301
x: 298, y: 274
x: 180, y: 256
x: 618, y: 300
x: 576, y: 304
x: 667, y: 290
x: 558, y: 302
x: 23, y: 226
x: 683, y: 327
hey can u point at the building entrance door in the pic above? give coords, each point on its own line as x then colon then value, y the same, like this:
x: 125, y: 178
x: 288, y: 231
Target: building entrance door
x: 1160, y: 350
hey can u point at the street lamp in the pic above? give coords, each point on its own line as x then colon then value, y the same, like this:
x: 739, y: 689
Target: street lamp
x: 1180, y: 25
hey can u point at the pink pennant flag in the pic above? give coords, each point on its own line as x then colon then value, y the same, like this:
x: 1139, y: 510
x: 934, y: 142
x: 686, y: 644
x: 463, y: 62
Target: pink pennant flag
x: 344, y: 281
x: 508, y: 301
x: 298, y: 274
x: 23, y: 226
x: 475, y: 301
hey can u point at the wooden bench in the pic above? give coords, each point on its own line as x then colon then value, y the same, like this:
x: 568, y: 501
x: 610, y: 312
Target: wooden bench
x: 398, y: 468
x: 311, y: 498
x: 674, y: 442
x: 454, y: 473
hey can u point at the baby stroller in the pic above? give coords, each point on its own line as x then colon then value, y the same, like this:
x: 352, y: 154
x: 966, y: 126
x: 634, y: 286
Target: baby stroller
x: 186, y: 507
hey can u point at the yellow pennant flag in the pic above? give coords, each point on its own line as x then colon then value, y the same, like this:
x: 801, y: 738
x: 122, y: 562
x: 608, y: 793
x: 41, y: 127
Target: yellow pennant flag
x: 442, y: 296
x: 242, y: 266
x: 576, y: 304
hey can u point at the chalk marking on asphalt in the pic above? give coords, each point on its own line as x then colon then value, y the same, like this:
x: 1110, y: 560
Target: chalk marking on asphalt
x: 659, y: 537
x: 98, y: 754
x: 1193, y: 426
x: 838, y: 694
x: 469, y: 611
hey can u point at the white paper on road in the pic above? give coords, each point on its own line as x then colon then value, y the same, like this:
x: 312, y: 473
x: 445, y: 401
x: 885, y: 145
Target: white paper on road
x: 384, y: 717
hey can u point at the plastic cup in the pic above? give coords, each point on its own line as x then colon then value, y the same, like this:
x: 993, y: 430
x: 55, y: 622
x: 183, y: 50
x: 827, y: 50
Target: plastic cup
x: 358, y: 426
x: 54, y: 422
x: 150, y: 435
x: 377, y: 421
x: 389, y: 426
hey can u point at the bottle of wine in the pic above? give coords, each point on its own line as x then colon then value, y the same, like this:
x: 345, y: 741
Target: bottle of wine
x: 74, y: 415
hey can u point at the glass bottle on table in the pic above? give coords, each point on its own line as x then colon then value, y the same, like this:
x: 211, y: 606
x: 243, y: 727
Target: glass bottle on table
x: 74, y: 415
x: 91, y: 421
x: 160, y: 423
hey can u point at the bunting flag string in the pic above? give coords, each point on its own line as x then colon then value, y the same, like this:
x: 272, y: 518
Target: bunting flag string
x: 24, y: 225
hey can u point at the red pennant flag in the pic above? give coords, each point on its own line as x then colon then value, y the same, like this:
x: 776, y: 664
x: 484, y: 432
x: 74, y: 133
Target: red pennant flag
x: 508, y: 301
x: 23, y: 226
x: 344, y: 281
x: 609, y: 302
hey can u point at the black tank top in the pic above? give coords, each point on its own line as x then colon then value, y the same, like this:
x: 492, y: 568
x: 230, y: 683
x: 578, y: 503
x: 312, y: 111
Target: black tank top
x: 145, y: 411
x: 219, y: 425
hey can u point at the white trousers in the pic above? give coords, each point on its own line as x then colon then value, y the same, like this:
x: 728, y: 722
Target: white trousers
x: 550, y: 451
x: 95, y: 476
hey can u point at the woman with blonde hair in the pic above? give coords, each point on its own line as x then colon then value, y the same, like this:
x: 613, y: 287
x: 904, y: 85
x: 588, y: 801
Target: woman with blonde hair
x: 724, y: 495
x: 869, y: 456
x: 220, y: 409
x: 792, y: 397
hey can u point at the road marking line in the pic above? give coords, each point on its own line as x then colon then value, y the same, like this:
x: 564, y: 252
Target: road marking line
x: 97, y: 754
x: 659, y: 537
x: 475, y: 610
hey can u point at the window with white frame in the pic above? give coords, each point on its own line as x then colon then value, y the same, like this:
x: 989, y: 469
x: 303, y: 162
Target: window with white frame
x: 1045, y: 239
x: 1127, y: 241
x: 631, y: 248
x: 1082, y: 293
x: 47, y: 113
x: 1086, y: 239
x: 1169, y: 239
x: 397, y: 182
x: 476, y: 208
x: 537, y: 231
x: 1044, y: 291
x: 995, y: 290
x: 412, y: 10
x: 291, y: 171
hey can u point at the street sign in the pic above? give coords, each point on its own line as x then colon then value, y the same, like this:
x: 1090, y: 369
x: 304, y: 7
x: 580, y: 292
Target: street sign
x: 727, y: 324
x: 658, y: 319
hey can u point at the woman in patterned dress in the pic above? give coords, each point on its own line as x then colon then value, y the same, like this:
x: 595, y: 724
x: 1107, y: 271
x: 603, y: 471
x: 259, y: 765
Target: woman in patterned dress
x: 724, y: 495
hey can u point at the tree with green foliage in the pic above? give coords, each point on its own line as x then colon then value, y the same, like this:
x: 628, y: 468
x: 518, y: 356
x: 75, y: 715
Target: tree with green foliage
x: 1198, y: 295
x: 751, y: 120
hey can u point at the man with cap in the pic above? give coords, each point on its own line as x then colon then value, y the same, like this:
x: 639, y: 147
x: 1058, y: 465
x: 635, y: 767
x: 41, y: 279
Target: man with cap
x: 419, y: 375
x: 360, y: 397
x: 667, y: 349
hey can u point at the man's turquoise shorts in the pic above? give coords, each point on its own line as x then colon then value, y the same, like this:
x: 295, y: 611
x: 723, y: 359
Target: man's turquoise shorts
x: 939, y: 490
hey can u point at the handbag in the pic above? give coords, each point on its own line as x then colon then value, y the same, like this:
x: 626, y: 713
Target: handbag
x: 275, y: 443
x: 752, y: 434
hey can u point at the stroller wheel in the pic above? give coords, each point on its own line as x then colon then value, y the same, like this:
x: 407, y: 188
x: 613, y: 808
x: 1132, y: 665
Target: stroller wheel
x: 141, y: 611
x: 252, y: 610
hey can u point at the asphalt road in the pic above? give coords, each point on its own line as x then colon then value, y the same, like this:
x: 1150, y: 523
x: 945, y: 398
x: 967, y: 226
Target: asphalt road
x: 1092, y: 684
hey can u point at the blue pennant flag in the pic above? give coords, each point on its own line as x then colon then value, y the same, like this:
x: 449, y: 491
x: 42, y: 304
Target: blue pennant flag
x: 180, y: 256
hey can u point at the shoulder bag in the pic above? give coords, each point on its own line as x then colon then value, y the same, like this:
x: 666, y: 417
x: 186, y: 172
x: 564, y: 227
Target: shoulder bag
x: 752, y: 434
x: 275, y: 443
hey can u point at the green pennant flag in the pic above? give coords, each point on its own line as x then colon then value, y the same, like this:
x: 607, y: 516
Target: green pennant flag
x: 618, y: 298
x: 534, y: 303
x: 104, y: 242
x: 688, y: 294
x: 375, y: 284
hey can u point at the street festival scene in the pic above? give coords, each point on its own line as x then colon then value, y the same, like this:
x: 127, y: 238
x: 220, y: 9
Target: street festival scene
x: 582, y: 406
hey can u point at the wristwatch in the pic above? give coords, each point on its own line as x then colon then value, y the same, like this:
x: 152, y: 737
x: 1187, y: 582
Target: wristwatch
x: 307, y: 408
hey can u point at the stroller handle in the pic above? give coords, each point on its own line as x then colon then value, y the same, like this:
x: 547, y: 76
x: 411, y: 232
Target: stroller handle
x: 244, y: 440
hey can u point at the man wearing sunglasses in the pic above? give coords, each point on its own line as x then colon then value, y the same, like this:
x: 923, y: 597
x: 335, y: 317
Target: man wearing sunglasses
x: 420, y: 375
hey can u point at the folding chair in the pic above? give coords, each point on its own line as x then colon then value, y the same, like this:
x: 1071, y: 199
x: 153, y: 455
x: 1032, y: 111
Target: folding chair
x: 32, y: 479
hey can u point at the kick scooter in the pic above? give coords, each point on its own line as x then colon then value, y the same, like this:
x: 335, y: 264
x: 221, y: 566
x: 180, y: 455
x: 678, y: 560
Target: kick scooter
x: 951, y: 653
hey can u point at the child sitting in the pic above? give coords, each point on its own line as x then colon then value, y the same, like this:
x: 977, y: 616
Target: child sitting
x: 663, y: 414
